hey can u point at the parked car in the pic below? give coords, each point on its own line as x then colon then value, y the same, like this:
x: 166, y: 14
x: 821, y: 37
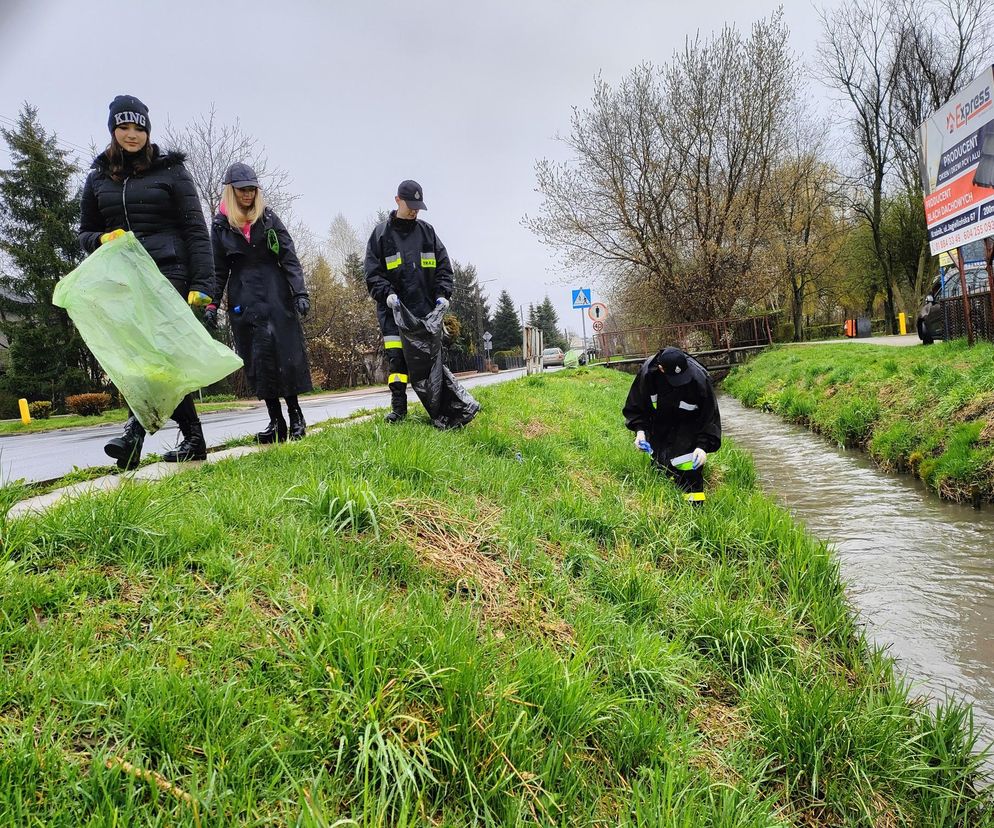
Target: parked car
x: 552, y: 356
x: 931, y: 320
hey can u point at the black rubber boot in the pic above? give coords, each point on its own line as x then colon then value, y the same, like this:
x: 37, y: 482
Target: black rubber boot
x: 298, y: 428
x: 127, y: 449
x: 398, y: 402
x: 275, y: 432
x: 193, y: 447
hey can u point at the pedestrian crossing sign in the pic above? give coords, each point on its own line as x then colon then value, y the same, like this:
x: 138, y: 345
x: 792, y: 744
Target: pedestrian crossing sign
x: 581, y: 298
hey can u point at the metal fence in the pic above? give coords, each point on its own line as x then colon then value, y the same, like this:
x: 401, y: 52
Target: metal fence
x: 981, y: 317
x: 458, y: 362
x: 694, y: 337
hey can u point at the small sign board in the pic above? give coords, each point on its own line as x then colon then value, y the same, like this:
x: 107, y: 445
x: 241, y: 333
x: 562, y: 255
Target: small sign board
x: 598, y: 326
x: 487, y: 336
x: 581, y: 298
x: 597, y: 311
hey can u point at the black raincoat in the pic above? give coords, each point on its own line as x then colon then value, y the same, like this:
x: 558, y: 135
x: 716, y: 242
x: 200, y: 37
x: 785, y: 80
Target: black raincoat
x: 676, y: 419
x: 406, y: 257
x: 448, y: 404
x: 263, y: 277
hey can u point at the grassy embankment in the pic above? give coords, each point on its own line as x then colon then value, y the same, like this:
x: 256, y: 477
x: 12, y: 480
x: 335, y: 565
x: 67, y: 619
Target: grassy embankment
x: 927, y: 411
x: 111, y: 416
x: 404, y: 627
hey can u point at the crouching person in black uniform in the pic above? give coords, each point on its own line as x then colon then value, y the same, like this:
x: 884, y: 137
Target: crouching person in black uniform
x: 673, y: 411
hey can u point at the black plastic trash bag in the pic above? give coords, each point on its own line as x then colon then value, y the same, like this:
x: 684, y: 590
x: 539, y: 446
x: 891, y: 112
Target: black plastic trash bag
x: 448, y: 404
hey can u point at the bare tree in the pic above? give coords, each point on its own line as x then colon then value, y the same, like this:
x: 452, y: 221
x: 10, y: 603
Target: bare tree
x: 666, y: 192
x: 894, y: 62
x: 212, y: 146
x: 944, y: 46
x: 343, y: 240
x: 807, y: 220
x: 860, y: 56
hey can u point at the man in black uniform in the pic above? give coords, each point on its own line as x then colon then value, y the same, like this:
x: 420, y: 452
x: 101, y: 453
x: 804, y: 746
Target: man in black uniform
x: 672, y: 409
x: 405, y: 262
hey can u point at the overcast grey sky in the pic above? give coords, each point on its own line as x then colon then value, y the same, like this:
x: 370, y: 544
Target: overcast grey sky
x: 353, y: 97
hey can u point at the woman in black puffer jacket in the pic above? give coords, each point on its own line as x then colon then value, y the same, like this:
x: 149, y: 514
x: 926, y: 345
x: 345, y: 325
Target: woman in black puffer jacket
x: 134, y: 186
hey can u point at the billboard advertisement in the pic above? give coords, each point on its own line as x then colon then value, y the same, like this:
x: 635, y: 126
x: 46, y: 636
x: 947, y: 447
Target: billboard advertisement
x: 957, y: 166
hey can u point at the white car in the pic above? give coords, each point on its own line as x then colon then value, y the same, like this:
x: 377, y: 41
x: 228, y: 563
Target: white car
x: 552, y: 356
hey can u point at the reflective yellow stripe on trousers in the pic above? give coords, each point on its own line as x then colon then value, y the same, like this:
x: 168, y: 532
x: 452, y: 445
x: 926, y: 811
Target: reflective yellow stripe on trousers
x: 392, y: 342
x: 695, y: 496
x: 396, y: 378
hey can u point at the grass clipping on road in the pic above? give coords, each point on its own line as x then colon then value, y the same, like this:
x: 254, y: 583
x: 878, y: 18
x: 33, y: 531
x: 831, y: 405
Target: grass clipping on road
x: 514, y: 624
x: 927, y: 411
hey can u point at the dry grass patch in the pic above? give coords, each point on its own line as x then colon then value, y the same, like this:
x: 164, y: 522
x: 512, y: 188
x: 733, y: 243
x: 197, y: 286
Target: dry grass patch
x: 536, y: 428
x: 979, y: 408
x: 464, y: 550
x: 719, y: 723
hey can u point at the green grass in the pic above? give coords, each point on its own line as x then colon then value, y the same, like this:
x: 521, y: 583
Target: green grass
x: 927, y: 411
x: 518, y: 623
x: 111, y: 416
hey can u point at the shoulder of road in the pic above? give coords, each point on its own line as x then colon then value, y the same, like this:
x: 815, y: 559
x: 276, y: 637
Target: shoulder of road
x: 15, y: 428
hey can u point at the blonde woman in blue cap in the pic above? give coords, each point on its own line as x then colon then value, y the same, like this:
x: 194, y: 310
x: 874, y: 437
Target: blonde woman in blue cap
x: 255, y: 261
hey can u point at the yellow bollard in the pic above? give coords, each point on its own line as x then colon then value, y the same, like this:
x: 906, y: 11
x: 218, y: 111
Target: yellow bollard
x: 902, y: 320
x: 25, y: 414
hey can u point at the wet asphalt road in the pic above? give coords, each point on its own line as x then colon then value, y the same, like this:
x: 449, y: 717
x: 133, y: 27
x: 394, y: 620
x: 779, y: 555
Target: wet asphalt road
x: 52, y: 454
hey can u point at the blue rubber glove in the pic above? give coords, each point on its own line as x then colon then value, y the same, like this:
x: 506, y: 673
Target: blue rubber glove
x: 392, y: 301
x: 442, y: 302
x: 641, y: 443
x: 700, y: 457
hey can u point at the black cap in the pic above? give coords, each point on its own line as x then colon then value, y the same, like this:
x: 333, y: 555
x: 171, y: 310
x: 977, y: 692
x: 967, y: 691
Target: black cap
x: 127, y: 109
x: 673, y: 363
x: 240, y: 175
x: 410, y: 193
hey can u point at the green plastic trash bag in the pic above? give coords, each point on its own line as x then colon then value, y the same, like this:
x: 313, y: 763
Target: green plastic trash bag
x: 141, y: 331
x: 573, y: 359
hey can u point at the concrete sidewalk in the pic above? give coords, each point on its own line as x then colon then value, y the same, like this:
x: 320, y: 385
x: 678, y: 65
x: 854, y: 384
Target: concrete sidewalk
x: 905, y: 341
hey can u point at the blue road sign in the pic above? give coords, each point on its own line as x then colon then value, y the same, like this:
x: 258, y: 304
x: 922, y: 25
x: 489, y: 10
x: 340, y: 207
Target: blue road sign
x: 581, y: 298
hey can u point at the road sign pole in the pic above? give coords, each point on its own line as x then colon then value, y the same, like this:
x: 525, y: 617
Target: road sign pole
x: 583, y: 320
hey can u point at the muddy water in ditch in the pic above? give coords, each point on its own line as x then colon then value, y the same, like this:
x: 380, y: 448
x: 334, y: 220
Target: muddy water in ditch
x: 921, y: 571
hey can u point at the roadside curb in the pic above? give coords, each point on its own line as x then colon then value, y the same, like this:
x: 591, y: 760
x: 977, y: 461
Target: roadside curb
x: 149, y: 473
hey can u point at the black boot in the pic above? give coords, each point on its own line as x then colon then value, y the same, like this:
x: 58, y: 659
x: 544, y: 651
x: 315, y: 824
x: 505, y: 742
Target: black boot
x: 275, y: 432
x: 298, y: 428
x: 127, y: 449
x: 193, y: 447
x: 398, y: 402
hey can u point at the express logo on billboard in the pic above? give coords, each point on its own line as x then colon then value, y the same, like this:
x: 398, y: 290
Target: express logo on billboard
x: 966, y: 111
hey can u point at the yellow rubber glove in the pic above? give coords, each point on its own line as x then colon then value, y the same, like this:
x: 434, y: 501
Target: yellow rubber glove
x: 113, y: 234
x: 197, y: 299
